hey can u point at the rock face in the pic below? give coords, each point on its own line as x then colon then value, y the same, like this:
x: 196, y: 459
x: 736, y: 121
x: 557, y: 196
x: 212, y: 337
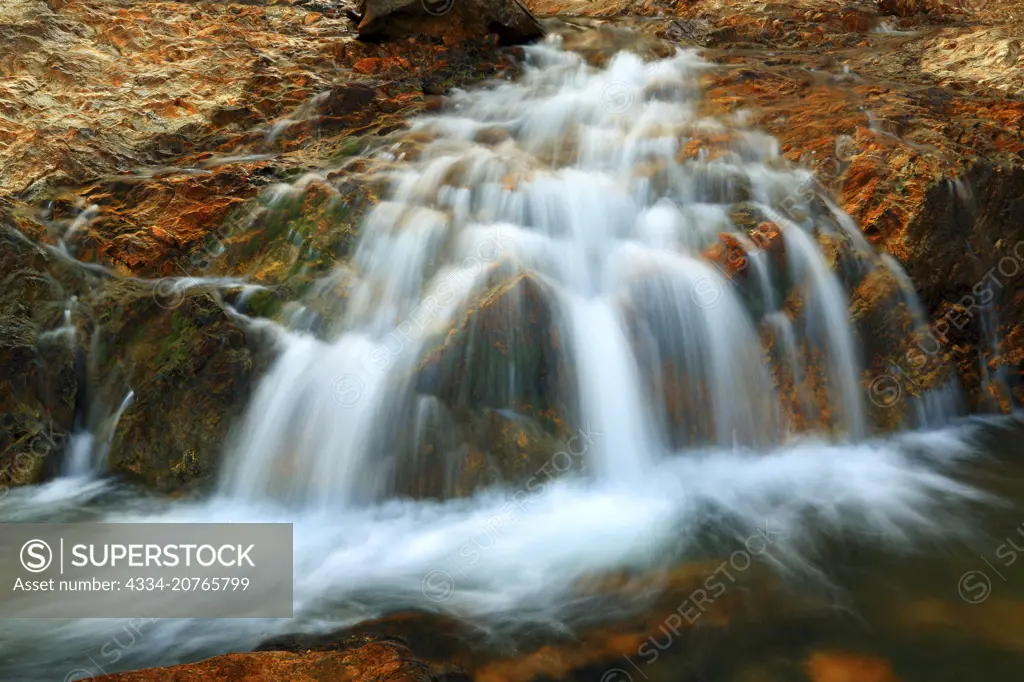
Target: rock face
x: 457, y: 19
x: 165, y: 439
x: 148, y: 136
x: 40, y: 379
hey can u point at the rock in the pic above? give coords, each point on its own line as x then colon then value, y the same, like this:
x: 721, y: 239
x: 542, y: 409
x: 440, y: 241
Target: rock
x: 40, y: 363
x: 192, y: 370
x: 381, y: 661
x: 504, y: 351
x: 435, y: 638
x: 496, y: 387
x: 458, y: 19
x: 842, y: 667
x: 461, y: 451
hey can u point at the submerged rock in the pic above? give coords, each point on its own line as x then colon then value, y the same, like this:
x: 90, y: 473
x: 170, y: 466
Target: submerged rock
x: 828, y: 666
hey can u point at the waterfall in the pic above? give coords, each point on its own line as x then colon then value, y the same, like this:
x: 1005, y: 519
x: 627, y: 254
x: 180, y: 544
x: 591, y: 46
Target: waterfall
x: 582, y: 239
x: 610, y: 192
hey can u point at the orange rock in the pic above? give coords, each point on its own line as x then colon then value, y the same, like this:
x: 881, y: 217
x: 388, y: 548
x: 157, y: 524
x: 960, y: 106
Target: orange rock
x: 368, y: 65
x: 380, y: 661
x: 825, y: 666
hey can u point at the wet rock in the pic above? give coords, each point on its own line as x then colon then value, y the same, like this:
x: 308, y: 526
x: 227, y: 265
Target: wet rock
x: 458, y: 452
x: 350, y: 98
x: 394, y: 19
x: 496, y: 387
x: 192, y: 369
x: 383, y: 661
x: 435, y: 638
x: 40, y: 376
x: 842, y: 667
x: 931, y: 174
x: 505, y: 351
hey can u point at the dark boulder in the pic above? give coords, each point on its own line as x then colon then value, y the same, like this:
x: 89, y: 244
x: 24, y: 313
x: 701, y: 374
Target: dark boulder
x: 459, y: 19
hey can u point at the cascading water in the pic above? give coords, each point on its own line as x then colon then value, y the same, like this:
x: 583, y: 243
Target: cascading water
x: 587, y: 181
x: 610, y: 194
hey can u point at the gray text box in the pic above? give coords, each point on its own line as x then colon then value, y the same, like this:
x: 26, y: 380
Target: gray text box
x: 151, y: 570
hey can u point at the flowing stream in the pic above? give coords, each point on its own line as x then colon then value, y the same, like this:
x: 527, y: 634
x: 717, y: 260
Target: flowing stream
x: 714, y: 407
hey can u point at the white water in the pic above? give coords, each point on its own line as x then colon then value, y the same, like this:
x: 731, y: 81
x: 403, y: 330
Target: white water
x: 574, y: 176
x: 590, y: 200
x: 521, y: 566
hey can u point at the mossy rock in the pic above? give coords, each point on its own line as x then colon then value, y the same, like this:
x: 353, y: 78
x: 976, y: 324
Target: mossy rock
x: 192, y: 369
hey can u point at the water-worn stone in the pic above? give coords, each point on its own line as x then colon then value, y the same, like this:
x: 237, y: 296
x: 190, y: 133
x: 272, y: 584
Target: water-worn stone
x: 504, y: 352
x: 501, y: 381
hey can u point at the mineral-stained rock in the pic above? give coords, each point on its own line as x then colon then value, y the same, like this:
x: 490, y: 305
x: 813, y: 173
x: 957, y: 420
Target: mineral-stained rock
x: 390, y: 19
x: 381, y: 661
